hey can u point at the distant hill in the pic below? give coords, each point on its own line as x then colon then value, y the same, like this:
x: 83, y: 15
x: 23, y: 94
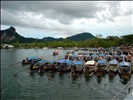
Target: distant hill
x: 81, y: 36
x: 11, y: 36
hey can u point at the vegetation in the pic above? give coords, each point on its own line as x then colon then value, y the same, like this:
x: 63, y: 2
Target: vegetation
x: 79, y: 40
x: 110, y: 41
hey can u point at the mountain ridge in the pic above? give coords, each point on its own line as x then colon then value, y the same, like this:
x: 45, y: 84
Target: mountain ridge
x: 11, y: 36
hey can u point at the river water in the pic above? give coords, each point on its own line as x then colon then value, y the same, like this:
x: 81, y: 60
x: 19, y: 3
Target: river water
x: 58, y: 87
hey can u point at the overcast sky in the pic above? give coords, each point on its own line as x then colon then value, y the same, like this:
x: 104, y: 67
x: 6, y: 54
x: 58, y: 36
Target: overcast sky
x: 40, y: 19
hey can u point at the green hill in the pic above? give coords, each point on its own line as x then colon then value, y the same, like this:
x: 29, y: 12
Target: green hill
x: 11, y: 36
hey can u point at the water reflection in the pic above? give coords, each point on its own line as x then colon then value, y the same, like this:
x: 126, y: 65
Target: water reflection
x: 124, y: 81
x: 87, y: 79
x: 61, y: 76
x: 111, y: 78
x: 74, y: 78
x: 99, y: 80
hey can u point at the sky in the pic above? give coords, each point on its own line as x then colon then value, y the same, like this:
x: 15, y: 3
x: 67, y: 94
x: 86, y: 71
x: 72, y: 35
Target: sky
x: 39, y: 19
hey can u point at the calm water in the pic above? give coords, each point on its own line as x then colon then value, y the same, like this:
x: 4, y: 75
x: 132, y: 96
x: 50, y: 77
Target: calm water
x: 59, y: 87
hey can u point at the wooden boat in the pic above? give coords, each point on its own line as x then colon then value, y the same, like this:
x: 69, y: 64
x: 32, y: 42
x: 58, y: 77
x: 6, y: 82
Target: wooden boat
x: 89, y: 68
x: 55, y: 52
x: 101, y: 67
x: 32, y: 59
x: 41, y: 67
x: 108, y: 57
x: 116, y: 56
x: 122, y: 57
x: 124, y: 70
x: 112, y: 67
x: 64, y: 66
x: 94, y: 56
x: 87, y: 57
x: 77, y: 68
x: 50, y: 65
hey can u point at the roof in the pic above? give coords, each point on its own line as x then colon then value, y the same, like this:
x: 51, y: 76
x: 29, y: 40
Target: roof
x: 125, y: 64
x: 78, y: 62
x: 113, y: 61
x: 51, y: 61
x: 33, y: 57
x: 102, y: 61
x: 90, y: 62
x: 61, y: 60
x: 68, y: 61
x: 42, y: 61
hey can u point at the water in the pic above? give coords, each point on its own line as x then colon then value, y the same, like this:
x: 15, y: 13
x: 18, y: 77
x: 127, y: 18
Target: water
x: 58, y: 87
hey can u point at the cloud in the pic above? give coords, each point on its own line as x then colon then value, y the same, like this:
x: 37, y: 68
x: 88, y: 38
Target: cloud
x: 65, y: 18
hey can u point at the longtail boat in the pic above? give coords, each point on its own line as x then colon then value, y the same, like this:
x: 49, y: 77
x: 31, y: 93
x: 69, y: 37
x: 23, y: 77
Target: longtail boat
x: 64, y: 66
x: 55, y: 52
x: 77, y: 68
x: 108, y: 57
x: 112, y: 67
x: 124, y: 70
x: 41, y: 67
x: 123, y: 57
x: 50, y: 65
x: 32, y: 59
x: 101, y: 67
x: 89, y: 68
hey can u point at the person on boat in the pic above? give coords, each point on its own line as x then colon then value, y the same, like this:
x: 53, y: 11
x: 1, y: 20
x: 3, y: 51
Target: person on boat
x: 23, y: 60
x: 27, y: 59
x: 31, y: 66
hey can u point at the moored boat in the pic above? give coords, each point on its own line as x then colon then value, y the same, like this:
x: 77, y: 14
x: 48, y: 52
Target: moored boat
x: 55, y: 52
x: 101, y: 67
x: 41, y: 67
x: 32, y: 59
x: 89, y: 68
x: 64, y: 66
x: 77, y: 68
x: 124, y: 70
x: 50, y: 65
x: 112, y: 67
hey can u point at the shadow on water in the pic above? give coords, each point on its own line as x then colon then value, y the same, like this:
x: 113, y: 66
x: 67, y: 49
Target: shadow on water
x: 99, y: 80
x: 111, y: 78
x: 41, y: 73
x: 124, y: 81
x: 87, y: 78
x: 61, y: 76
x: 74, y: 78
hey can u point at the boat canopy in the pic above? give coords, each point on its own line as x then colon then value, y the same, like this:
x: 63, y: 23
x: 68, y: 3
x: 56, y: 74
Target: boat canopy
x: 124, y: 64
x: 115, y: 55
x: 78, y: 62
x: 102, y: 61
x: 122, y: 55
x: 113, y: 62
x: 73, y: 55
x: 90, y: 62
x: 33, y: 57
x: 42, y: 61
x: 61, y: 60
x: 68, y: 61
x: 101, y: 55
x: 51, y: 61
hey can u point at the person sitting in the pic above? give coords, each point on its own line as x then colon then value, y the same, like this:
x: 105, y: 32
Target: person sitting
x: 31, y: 67
x: 27, y: 59
x: 23, y: 60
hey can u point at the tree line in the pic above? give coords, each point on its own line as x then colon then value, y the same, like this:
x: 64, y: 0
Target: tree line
x: 98, y: 41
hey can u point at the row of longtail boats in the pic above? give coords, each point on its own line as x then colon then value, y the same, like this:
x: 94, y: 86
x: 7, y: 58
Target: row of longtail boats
x: 87, y: 63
